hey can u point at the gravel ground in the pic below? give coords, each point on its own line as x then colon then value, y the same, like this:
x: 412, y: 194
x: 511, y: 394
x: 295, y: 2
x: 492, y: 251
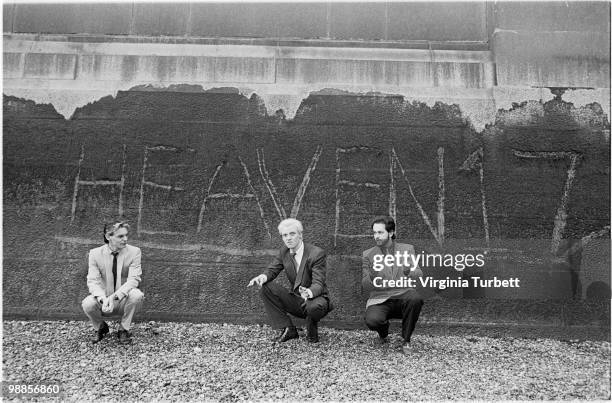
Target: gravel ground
x: 186, y: 361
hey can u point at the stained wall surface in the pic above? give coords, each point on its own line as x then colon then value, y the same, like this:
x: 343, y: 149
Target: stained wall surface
x: 204, y: 131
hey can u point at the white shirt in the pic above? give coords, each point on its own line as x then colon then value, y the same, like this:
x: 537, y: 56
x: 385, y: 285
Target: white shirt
x: 298, y: 255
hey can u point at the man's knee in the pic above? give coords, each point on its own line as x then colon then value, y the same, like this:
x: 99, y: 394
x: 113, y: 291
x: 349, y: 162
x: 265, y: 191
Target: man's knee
x: 135, y: 296
x: 268, y: 289
x: 90, y: 304
x: 374, y: 320
x: 317, y: 308
x: 411, y: 303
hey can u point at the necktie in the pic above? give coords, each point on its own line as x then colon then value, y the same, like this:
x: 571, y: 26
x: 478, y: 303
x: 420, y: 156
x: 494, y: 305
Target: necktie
x: 114, y: 269
x: 295, y: 266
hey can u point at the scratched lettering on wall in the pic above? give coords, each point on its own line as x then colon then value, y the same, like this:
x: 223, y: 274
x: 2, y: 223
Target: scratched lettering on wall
x: 216, y: 178
x: 381, y: 195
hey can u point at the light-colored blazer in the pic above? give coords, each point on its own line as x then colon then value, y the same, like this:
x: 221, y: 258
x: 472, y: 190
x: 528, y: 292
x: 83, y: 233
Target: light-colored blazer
x: 101, y: 271
x: 393, y: 272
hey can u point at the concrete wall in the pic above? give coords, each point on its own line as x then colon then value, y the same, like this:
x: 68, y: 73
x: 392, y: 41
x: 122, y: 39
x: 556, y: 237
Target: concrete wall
x: 203, y: 142
x: 439, y: 21
x: 70, y: 73
x: 552, y: 44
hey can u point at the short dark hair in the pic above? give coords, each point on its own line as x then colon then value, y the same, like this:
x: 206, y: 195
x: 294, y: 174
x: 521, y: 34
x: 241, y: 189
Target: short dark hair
x: 109, y: 229
x: 389, y: 224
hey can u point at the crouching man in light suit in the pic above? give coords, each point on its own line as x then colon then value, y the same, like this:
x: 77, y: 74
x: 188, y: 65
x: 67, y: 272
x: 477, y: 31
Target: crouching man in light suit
x: 113, y: 278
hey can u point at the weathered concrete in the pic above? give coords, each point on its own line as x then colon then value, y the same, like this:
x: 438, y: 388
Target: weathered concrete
x: 553, y: 44
x: 282, y: 76
x: 438, y: 21
x: 69, y: 18
x: 262, y: 20
x: 169, y: 161
x: 552, y: 59
x: 160, y: 18
x: 561, y: 16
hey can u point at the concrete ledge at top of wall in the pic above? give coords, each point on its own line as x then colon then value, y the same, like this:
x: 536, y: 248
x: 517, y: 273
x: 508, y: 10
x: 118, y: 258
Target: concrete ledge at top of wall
x: 188, y: 63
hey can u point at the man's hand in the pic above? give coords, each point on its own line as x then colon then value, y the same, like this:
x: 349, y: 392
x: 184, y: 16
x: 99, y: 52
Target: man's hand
x: 305, y: 292
x: 409, y: 269
x: 259, y: 280
x: 108, y: 304
x: 413, y: 271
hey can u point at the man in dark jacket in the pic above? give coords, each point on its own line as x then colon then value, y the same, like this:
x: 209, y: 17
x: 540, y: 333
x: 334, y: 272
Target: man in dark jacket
x: 305, y: 267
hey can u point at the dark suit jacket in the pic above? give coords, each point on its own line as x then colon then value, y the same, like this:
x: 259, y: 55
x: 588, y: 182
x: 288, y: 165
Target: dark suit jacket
x: 311, y: 272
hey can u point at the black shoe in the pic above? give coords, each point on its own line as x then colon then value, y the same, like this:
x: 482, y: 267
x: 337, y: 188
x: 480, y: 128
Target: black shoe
x: 287, y: 334
x: 383, y: 332
x: 100, y: 333
x: 124, y: 336
x: 312, y: 330
x: 381, y: 341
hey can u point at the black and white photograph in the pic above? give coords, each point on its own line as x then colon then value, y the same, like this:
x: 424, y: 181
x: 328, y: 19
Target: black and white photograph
x: 306, y: 201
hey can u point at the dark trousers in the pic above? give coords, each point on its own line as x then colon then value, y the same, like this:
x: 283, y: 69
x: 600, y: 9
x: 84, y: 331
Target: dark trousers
x: 279, y: 302
x: 407, y: 308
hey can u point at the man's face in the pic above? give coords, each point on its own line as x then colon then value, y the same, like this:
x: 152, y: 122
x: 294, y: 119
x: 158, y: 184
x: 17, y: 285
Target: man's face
x: 118, y: 240
x: 381, y: 236
x: 291, y: 237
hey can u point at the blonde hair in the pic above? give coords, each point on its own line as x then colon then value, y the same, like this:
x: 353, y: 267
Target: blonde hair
x: 109, y: 229
x: 290, y: 222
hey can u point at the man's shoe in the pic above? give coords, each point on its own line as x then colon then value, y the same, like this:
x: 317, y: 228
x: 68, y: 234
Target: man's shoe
x: 381, y: 341
x: 124, y: 336
x: 383, y: 332
x: 407, y: 348
x: 312, y: 330
x: 287, y: 334
x: 100, y: 333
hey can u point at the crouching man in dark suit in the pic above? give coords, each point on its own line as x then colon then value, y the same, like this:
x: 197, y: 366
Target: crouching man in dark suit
x: 305, y: 267
x: 113, y: 279
x: 379, y: 269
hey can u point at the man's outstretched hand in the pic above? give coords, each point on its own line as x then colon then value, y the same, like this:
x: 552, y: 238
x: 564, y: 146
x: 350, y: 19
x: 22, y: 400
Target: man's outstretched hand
x: 259, y: 280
